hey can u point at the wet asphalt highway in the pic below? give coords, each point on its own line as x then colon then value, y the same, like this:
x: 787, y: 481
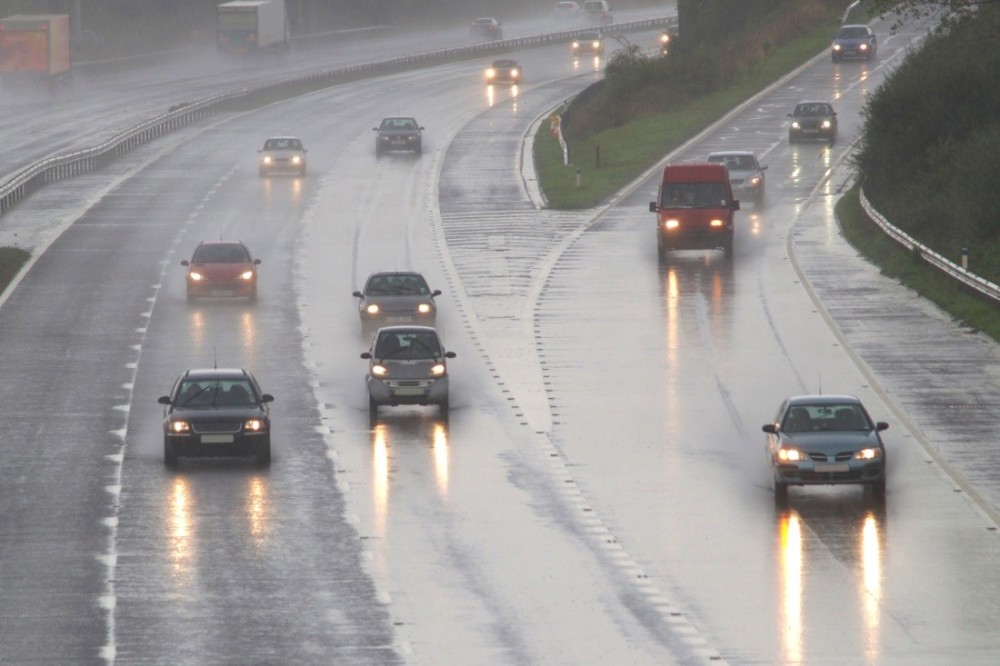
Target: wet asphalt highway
x: 598, y: 494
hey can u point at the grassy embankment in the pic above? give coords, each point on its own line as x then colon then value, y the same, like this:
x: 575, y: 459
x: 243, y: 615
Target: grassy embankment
x: 627, y: 151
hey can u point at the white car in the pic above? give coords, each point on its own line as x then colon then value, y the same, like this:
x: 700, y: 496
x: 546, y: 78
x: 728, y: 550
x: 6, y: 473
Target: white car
x: 282, y: 154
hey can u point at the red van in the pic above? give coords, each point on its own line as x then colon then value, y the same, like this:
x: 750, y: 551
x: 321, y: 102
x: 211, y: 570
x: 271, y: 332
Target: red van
x: 694, y: 209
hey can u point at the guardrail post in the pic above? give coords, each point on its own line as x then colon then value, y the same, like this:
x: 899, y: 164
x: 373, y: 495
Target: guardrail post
x: 965, y: 258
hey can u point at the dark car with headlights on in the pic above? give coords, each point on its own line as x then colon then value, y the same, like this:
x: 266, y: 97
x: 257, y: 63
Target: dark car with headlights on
x: 398, y: 134
x: 825, y: 440
x: 216, y: 412
x: 396, y: 297
x: 487, y: 27
x: 407, y: 365
x: 746, y: 174
x: 221, y: 269
x: 854, y: 41
x: 813, y: 120
x: 588, y: 43
x: 503, y: 71
x: 282, y: 154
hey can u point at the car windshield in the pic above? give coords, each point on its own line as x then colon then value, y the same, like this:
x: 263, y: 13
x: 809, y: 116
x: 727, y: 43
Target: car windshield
x: 811, y: 418
x: 735, y: 162
x: 852, y: 33
x: 505, y: 63
x: 694, y: 195
x: 396, y: 285
x: 813, y: 110
x: 408, y: 345
x: 399, y: 124
x: 215, y: 393
x: 283, y: 144
x: 221, y: 254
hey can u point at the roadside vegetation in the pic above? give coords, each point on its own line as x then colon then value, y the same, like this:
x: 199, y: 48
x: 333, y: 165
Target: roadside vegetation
x: 12, y: 259
x: 927, y: 158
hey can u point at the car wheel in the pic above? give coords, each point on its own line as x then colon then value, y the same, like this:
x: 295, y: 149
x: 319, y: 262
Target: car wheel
x: 372, y: 409
x: 264, y: 452
x: 443, y: 407
x: 780, y: 492
x: 169, y: 454
x: 877, y: 487
x: 791, y: 138
x: 661, y: 251
x: 727, y: 247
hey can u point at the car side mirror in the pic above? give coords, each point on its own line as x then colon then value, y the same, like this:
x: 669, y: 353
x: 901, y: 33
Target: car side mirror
x: 736, y: 204
x: 358, y: 294
x: 266, y: 397
x: 185, y: 262
x: 770, y: 428
x: 763, y: 167
x: 450, y: 354
x: 374, y: 129
x: 256, y: 262
x: 436, y: 292
x: 881, y: 425
x: 421, y: 128
x: 163, y: 400
x: 652, y: 206
x: 366, y: 355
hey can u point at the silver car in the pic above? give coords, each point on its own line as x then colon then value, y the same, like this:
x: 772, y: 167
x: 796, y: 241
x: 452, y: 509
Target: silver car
x: 825, y: 440
x: 746, y: 174
x: 282, y: 154
x: 396, y: 297
x: 407, y: 365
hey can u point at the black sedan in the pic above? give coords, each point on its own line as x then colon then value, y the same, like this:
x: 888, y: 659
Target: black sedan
x: 825, y: 440
x: 216, y: 412
x: 854, y: 41
x: 399, y: 134
x: 396, y: 297
x: 813, y: 120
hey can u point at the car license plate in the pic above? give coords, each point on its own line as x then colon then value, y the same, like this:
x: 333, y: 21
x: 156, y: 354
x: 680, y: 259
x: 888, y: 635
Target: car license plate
x: 222, y: 292
x: 810, y: 131
x: 832, y: 469
x: 216, y: 439
x: 396, y: 320
x: 409, y: 390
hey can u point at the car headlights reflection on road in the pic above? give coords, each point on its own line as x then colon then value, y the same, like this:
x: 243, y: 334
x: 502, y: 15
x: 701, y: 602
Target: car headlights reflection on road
x: 180, y: 541
x: 441, y: 458
x: 380, y: 476
x: 257, y: 510
x: 790, y: 580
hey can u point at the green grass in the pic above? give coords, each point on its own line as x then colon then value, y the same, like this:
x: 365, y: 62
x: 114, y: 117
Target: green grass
x: 899, y: 263
x: 12, y: 260
x: 627, y: 151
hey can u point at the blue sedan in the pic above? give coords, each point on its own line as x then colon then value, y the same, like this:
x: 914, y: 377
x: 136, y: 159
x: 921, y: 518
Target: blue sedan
x: 825, y: 440
x: 854, y: 41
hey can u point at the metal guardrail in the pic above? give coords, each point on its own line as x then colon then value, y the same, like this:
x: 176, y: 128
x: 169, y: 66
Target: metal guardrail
x: 971, y: 280
x: 52, y: 169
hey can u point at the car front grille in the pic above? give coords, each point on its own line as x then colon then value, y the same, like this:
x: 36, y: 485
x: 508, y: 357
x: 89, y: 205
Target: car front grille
x: 217, y: 427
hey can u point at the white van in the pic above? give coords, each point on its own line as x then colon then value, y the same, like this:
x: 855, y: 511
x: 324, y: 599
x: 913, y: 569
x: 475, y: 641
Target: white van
x: 597, y: 12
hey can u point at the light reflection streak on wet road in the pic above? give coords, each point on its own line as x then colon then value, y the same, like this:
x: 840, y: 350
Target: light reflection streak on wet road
x: 790, y: 577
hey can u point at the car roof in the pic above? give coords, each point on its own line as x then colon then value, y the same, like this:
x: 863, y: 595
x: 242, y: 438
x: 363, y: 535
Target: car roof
x: 278, y: 138
x: 408, y: 329
x: 726, y: 153
x: 823, y: 399
x: 216, y: 373
x: 399, y: 118
x: 393, y: 273
x: 854, y: 25
x: 222, y: 242
x: 484, y: 20
x: 505, y: 63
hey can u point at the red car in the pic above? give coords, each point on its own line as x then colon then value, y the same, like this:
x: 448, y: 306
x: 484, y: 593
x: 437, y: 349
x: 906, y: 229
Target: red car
x: 221, y: 269
x: 486, y: 27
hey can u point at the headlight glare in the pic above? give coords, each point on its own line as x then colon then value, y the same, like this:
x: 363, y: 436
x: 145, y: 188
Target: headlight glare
x: 868, y: 454
x: 437, y: 369
x: 790, y: 455
x: 180, y: 427
x: 424, y: 308
x: 671, y: 224
x: 194, y: 275
x: 716, y: 223
x: 380, y: 370
x: 254, y: 425
x: 246, y: 275
x: 372, y: 309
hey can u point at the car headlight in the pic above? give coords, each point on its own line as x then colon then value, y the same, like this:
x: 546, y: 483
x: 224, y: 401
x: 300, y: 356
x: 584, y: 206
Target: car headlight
x: 795, y: 124
x: 596, y: 45
x: 437, y: 369
x: 862, y: 47
x: 380, y: 370
x: 195, y: 276
x: 837, y: 47
x: 296, y: 160
x: 490, y: 73
x: 266, y: 159
x: 255, y: 425
x: 753, y: 181
x: 790, y: 455
x: 576, y: 45
x: 246, y: 275
x: 424, y: 308
x: 826, y: 124
x: 868, y: 454
x: 715, y: 223
x: 372, y: 309
x: 180, y: 427
x: 671, y: 224
x: 664, y: 38
x: 514, y: 74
